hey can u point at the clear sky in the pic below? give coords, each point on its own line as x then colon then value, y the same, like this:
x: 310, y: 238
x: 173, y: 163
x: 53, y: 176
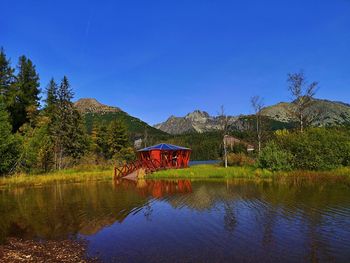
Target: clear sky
x: 160, y: 58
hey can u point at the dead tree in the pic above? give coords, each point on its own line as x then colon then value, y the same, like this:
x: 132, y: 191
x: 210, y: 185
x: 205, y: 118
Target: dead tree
x: 224, y: 122
x: 303, y: 94
x: 257, y: 104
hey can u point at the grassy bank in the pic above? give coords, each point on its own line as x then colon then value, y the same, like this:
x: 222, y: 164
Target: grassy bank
x: 212, y: 171
x: 215, y: 171
x: 69, y: 176
x: 195, y: 172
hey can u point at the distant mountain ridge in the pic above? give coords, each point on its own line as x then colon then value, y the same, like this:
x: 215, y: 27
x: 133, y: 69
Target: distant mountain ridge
x: 95, y: 112
x: 328, y: 113
x: 196, y: 121
x: 325, y: 112
x: 91, y: 105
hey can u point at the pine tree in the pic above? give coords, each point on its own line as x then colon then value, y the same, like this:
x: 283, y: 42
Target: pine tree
x: 118, y: 142
x: 9, y: 148
x: 69, y: 134
x: 6, y: 74
x: 51, y: 97
x: 102, y: 140
x: 26, y: 93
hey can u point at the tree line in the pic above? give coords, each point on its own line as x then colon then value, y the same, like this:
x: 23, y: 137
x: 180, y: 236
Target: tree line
x: 52, y: 136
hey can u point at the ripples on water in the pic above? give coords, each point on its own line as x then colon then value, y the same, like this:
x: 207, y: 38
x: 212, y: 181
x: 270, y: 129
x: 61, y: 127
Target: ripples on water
x: 184, y: 221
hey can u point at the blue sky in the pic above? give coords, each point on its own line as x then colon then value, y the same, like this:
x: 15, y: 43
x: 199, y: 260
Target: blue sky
x: 160, y: 58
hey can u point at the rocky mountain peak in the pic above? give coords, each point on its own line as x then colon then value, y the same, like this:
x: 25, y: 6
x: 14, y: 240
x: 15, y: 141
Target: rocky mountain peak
x: 91, y: 105
x: 197, y: 115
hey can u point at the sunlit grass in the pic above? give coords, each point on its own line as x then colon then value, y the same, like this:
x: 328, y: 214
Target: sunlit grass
x: 97, y: 173
x: 216, y: 171
x: 66, y: 176
x: 212, y: 171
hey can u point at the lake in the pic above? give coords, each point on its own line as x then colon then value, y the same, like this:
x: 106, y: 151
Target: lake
x: 294, y: 220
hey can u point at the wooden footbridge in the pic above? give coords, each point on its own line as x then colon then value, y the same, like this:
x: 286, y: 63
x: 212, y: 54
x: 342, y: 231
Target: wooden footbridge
x: 154, y: 158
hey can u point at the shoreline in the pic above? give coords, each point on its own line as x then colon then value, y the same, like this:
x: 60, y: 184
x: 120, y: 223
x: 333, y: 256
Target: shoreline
x: 21, y: 250
x: 205, y: 171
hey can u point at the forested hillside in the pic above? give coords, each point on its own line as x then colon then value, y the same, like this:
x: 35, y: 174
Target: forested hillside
x: 95, y: 112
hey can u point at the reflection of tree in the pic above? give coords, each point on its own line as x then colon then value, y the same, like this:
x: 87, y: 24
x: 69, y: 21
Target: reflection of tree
x: 230, y: 220
x: 65, y: 209
x: 147, y: 212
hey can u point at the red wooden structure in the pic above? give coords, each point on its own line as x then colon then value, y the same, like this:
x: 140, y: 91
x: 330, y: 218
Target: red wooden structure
x: 153, y: 158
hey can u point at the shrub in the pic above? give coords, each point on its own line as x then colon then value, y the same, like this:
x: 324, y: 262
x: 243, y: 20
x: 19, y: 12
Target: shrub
x: 317, y: 148
x: 274, y: 158
x: 239, y: 159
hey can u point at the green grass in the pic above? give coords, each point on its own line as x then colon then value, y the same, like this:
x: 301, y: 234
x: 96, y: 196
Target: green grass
x: 64, y: 176
x: 96, y: 173
x: 215, y: 171
x: 212, y: 171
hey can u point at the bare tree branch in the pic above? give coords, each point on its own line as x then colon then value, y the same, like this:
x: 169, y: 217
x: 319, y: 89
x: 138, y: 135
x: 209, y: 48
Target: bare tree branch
x: 303, y: 94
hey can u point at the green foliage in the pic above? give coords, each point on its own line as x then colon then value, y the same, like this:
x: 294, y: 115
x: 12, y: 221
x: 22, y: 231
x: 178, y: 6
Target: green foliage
x: 118, y: 142
x: 274, y: 158
x: 205, y: 146
x: 37, y: 152
x: 101, y: 140
x: 6, y: 74
x: 51, y: 98
x: 317, y: 148
x: 68, y: 127
x: 135, y: 127
x: 9, y: 143
x: 24, y: 94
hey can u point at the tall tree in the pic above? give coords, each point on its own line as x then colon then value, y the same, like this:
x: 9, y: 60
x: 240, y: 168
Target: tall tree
x: 51, y: 97
x: 26, y: 92
x: 6, y: 74
x: 303, y: 94
x: 102, y: 140
x: 117, y: 139
x: 69, y: 134
x: 8, y: 143
x: 257, y: 104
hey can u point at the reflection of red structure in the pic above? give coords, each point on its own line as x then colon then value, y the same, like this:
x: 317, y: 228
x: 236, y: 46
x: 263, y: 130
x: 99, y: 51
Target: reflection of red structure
x: 166, y: 155
x: 156, y: 188
x: 160, y: 156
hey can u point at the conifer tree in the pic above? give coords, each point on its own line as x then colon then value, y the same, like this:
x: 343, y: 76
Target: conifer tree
x: 6, y: 74
x: 51, y: 98
x: 69, y: 132
x: 102, y: 140
x: 8, y: 143
x: 26, y: 93
x: 118, y: 142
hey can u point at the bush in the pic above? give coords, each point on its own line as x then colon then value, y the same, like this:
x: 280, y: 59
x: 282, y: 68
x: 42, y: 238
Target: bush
x: 317, y: 148
x: 239, y: 159
x: 274, y: 158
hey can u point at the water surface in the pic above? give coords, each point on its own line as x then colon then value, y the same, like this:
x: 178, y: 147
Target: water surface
x: 189, y: 221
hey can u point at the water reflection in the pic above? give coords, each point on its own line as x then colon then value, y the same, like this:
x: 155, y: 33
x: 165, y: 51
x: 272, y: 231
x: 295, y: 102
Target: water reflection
x: 155, y: 188
x: 299, y: 219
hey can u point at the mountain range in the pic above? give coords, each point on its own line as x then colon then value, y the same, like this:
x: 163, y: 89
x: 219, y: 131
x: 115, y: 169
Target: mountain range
x: 328, y: 113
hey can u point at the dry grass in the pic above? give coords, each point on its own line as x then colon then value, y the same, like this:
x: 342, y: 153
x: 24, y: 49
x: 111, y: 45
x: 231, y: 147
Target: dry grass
x: 69, y: 176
